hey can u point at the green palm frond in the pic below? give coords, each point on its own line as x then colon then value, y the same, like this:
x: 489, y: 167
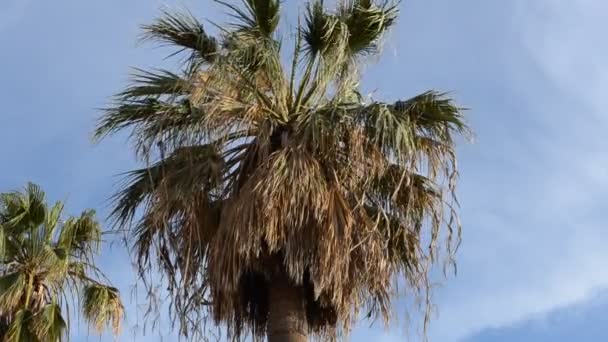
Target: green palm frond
x: 334, y: 40
x: 48, y: 324
x: 366, y: 22
x: 147, y: 113
x: 184, y: 31
x: 315, y: 31
x: 260, y: 17
x: 35, y: 204
x: 12, y: 289
x: 434, y: 113
x: 81, y: 234
x: 53, y: 217
x: 156, y: 83
x: 102, y: 307
x: 324, y: 32
x: 397, y: 127
x: 19, y: 330
x: 25, y: 209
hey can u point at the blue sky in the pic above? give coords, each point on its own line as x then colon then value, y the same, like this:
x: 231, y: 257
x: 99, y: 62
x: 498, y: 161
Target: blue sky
x: 533, y: 186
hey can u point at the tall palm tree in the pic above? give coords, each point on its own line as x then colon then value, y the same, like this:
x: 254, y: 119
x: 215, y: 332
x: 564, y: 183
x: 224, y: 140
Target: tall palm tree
x: 45, y: 261
x: 275, y: 199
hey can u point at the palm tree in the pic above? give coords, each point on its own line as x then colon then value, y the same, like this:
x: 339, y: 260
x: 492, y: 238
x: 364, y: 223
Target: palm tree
x: 275, y: 199
x: 45, y: 261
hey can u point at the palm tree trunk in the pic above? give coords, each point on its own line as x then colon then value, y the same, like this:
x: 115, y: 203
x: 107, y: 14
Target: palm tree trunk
x: 287, y: 316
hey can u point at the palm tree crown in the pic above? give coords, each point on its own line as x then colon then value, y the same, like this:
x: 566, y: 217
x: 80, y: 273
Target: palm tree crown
x: 45, y: 260
x: 257, y: 168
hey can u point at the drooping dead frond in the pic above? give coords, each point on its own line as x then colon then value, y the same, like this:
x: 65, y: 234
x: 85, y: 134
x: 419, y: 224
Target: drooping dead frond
x: 265, y: 174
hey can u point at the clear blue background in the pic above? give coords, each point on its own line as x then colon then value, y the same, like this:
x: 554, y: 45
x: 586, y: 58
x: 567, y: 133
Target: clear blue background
x: 533, y: 186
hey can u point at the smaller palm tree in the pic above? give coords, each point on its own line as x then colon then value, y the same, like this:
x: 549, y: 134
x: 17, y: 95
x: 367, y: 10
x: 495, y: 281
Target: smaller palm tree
x: 46, y: 263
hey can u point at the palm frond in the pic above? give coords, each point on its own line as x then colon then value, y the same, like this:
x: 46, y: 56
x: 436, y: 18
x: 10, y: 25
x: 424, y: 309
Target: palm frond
x: 188, y: 168
x: 35, y: 204
x: 366, y: 22
x: 81, y: 235
x: 184, y: 31
x: 102, y: 307
x: 434, y: 113
x: 19, y: 329
x: 48, y: 324
x: 154, y: 84
x: 326, y: 51
x: 156, y: 122
x: 260, y: 17
x: 24, y: 209
x: 12, y: 290
x: 52, y: 220
x: 322, y: 31
x: 52, y: 262
x: 391, y: 131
